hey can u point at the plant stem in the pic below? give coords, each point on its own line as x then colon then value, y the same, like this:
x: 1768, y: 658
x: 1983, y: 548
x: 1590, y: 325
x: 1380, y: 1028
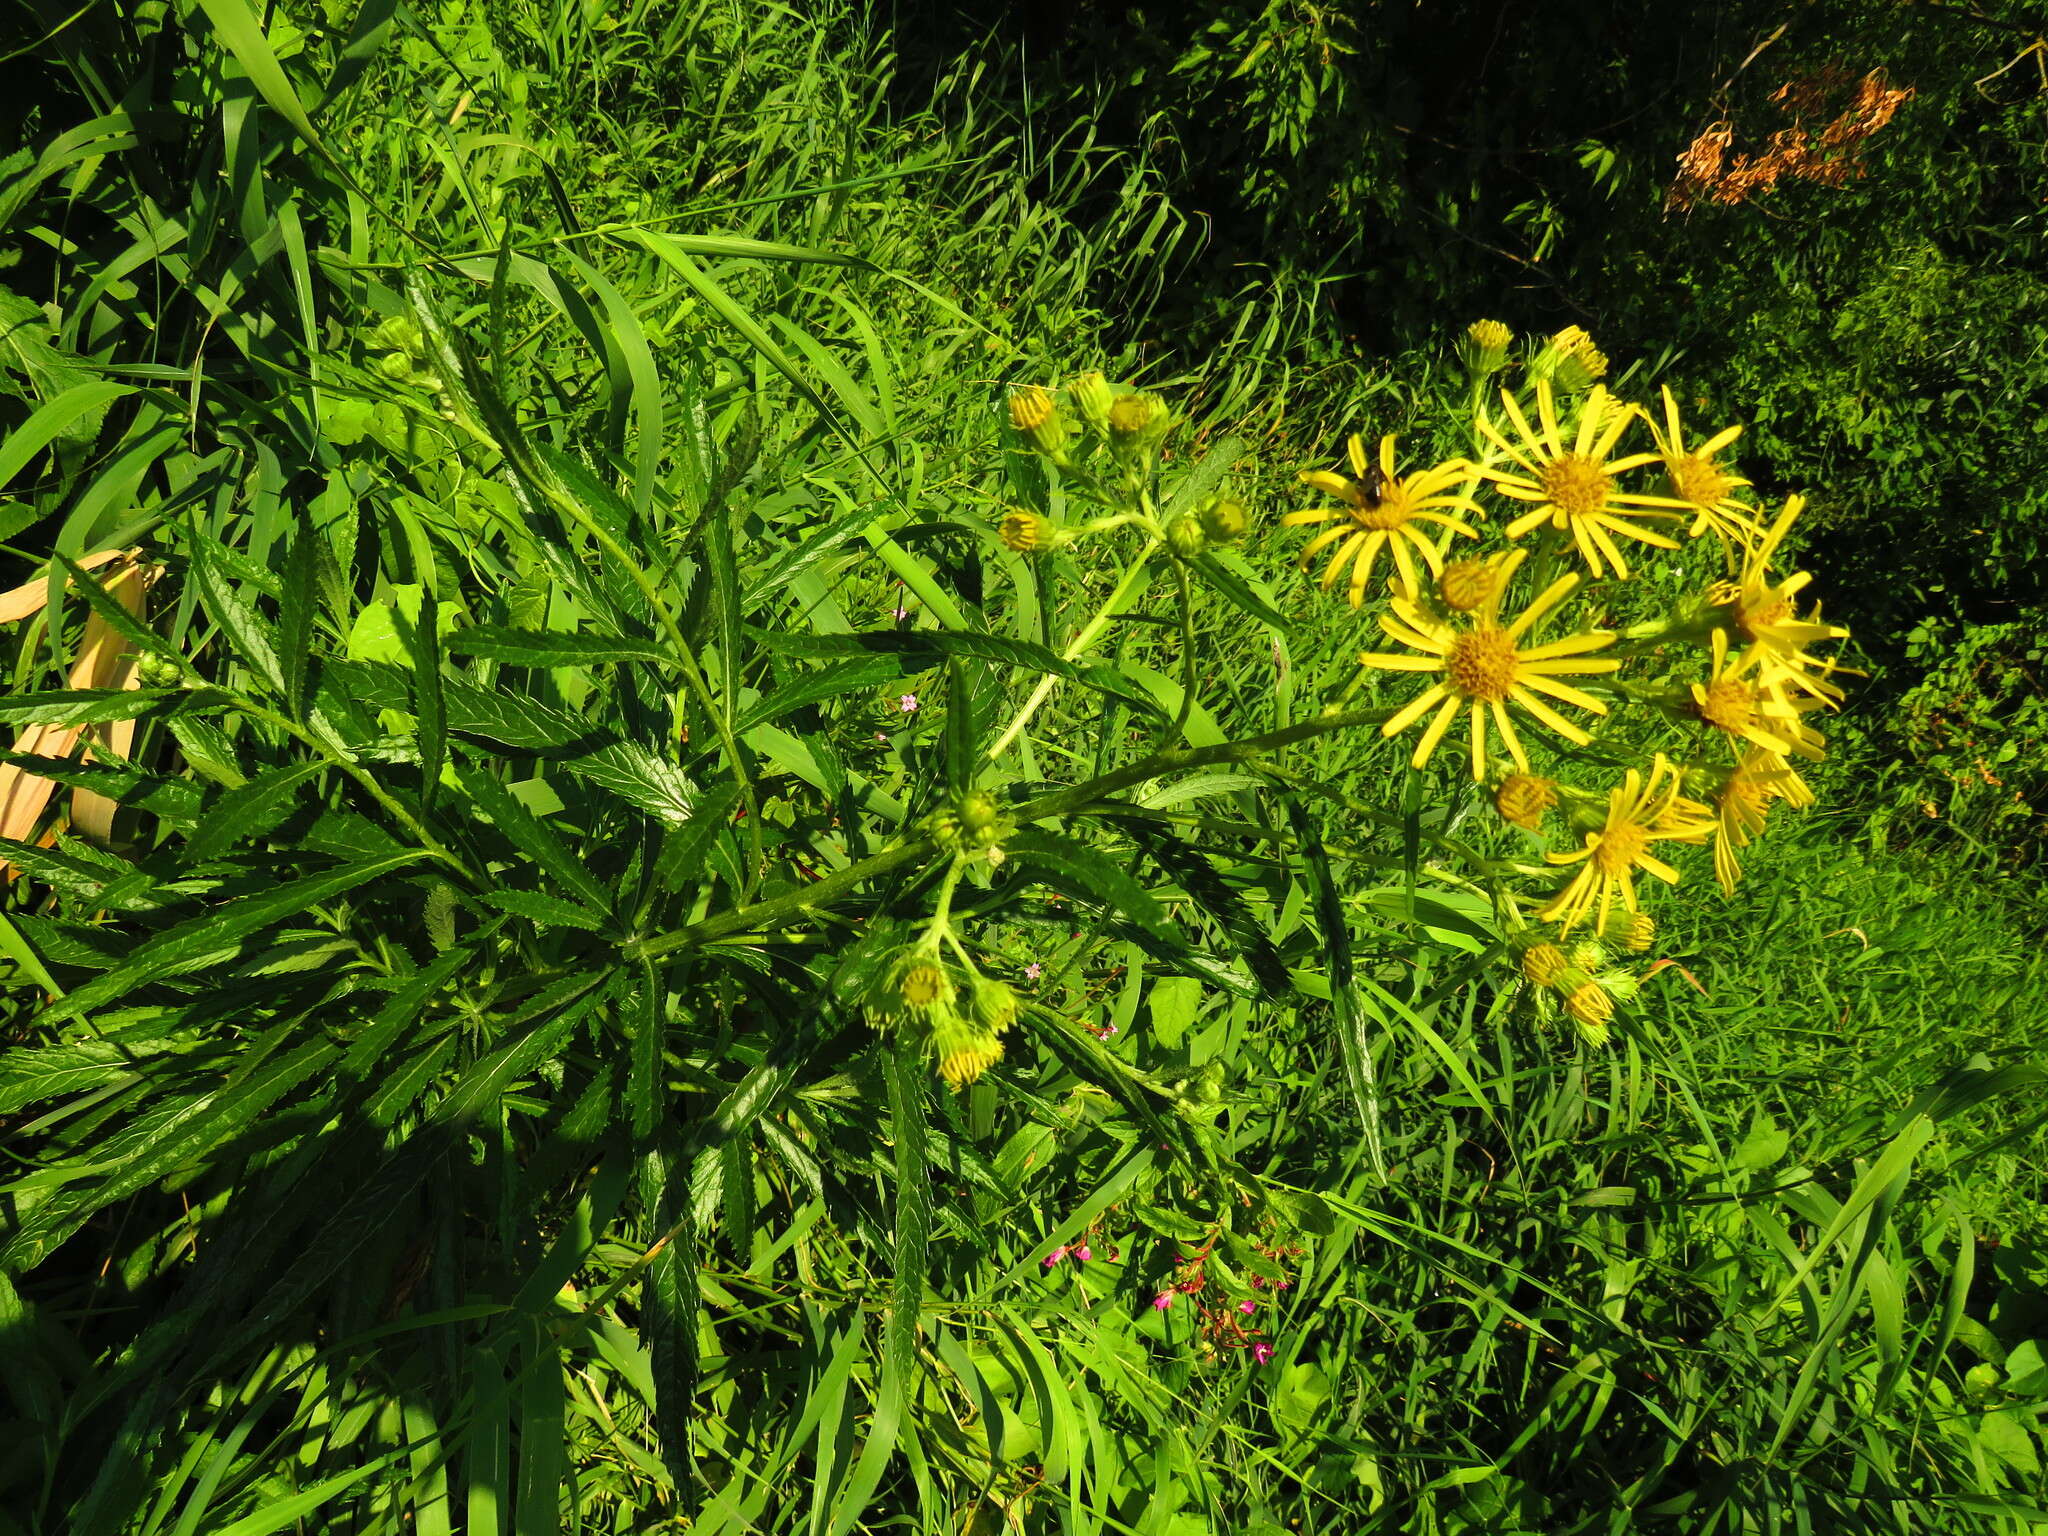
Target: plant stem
x: 1080, y: 643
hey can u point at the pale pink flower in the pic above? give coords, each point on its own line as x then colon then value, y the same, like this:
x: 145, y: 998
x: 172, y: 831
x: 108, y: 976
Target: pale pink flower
x: 1033, y: 971
x: 907, y: 704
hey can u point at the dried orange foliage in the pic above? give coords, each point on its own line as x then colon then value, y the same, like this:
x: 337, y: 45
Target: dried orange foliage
x: 1830, y: 155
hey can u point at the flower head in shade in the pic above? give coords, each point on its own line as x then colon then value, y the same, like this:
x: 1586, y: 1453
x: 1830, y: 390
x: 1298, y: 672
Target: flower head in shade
x: 1640, y: 813
x: 1697, y: 479
x: 1382, y: 510
x: 1570, y: 481
x: 1488, y: 665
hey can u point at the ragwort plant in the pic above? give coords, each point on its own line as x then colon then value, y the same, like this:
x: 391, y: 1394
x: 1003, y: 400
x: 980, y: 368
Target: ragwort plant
x: 670, y: 910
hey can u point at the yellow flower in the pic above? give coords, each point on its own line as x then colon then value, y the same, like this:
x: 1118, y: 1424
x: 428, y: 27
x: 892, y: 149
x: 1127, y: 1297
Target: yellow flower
x: 1486, y: 666
x: 1701, y: 483
x: 1764, y: 616
x: 1573, y: 487
x: 1749, y: 709
x: 1639, y: 813
x: 1740, y: 805
x: 1381, y: 509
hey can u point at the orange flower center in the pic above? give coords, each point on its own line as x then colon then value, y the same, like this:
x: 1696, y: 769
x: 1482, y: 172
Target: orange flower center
x: 1772, y: 608
x: 1481, y: 663
x: 1576, y: 484
x: 1395, y: 508
x: 1619, y: 847
x: 1728, y: 705
x: 1697, y: 480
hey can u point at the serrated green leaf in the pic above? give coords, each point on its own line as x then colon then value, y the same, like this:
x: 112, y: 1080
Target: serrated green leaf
x: 545, y: 910
x: 551, y: 648
x: 641, y: 779
x: 250, y: 811
x: 854, y: 675
x: 200, y: 940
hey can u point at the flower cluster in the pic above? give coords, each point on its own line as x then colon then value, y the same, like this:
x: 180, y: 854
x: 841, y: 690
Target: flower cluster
x: 1104, y: 443
x: 1698, y: 708
x: 1224, y: 1322
x: 933, y: 987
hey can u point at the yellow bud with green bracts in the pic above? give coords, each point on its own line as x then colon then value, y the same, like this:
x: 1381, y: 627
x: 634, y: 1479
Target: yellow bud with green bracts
x: 1036, y: 416
x: 1137, y: 422
x: 1633, y: 931
x: 1466, y: 584
x: 1486, y: 347
x: 1523, y: 798
x: 1571, y: 361
x: 1029, y: 534
x: 965, y: 1048
x: 1542, y: 963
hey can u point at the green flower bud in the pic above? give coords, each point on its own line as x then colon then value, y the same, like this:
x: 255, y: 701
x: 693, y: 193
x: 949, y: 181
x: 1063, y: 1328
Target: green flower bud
x: 1184, y: 536
x: 396, y: 366
x: 400, y: 334
x: 1225, y: 521
x: 154, y: 671
x: 992, y: 1005
x: 1093, y: 397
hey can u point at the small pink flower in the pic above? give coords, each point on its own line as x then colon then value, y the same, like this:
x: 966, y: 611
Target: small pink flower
x: 1162, y: 1301
x: 900, y: 614
x: 1054, y: 1257
x: 1083, y: 1254
x: 1262, y: 1351
x: 1247, y: 1306
x: 907, y: 704
x: 1033, y: 971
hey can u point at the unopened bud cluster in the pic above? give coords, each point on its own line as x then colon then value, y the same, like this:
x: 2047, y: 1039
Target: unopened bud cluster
x: 1577, y: 978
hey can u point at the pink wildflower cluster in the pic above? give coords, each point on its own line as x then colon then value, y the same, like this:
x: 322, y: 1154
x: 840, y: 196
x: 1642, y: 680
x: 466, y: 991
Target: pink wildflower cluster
x: 1223, y: 1324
